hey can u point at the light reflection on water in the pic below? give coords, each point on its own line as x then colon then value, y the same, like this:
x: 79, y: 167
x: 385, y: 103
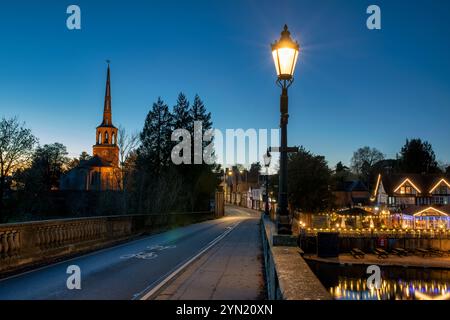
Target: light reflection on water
x: 398, y: 283
x: 356, y: 289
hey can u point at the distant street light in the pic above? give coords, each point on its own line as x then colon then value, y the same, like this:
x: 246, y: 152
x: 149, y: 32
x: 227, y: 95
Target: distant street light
x: 267, y: 159
x: 285, y: 53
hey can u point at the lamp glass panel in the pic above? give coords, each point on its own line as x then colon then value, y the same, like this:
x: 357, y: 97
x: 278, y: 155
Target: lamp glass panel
x: 275, y: 61
x: 287, y: 58
x: 295, y: 62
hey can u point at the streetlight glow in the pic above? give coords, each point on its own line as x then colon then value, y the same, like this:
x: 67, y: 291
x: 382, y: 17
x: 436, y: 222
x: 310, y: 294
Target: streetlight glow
x: 285, y: 54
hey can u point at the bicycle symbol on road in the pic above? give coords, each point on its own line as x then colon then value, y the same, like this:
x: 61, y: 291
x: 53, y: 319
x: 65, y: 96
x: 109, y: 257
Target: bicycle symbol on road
x: 148, y: 255
x: 140, y: 255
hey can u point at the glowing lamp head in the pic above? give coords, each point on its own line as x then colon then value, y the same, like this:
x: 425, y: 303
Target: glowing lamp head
x: 285, y: 53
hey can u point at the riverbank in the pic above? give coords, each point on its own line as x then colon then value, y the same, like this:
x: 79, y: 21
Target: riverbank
x: 370, y: 259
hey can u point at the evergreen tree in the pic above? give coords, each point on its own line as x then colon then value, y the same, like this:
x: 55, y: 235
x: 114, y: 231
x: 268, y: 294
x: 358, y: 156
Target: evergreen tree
x: 182, y: 118
x: 154, y: 152
x: 199, y: 113
x: 308, y: 181
x: 153, y: 159
x: 417, y: 156
x: 201, y: 177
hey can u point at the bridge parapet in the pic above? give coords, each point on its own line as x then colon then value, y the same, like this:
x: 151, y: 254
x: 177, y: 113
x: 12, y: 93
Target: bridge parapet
x: 288, y: 277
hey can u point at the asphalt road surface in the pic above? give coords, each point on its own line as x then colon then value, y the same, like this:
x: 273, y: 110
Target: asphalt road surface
x: 127, y: 271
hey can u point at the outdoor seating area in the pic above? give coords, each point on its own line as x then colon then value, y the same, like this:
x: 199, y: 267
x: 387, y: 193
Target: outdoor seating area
x: 357, y: 253
x: 381, y: 253
x: 417, y: 258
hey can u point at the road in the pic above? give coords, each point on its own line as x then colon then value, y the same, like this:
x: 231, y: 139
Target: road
x: 127, y: 271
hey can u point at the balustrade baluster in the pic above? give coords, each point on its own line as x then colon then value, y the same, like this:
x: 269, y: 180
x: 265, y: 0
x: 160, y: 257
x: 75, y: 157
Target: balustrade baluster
x: 47, y: 237
x: 60, y: 235
x: 5, y: 244
x: 69, y: 232
x: 91, y: 230
x: 18, y: 244
x: 78, y: 231
x: 12, y: 243
x: 37, y: 237
x: 82, y: 231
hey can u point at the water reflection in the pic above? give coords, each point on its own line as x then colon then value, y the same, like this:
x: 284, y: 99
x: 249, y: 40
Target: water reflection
x: 398, y: 283
x: 356, y: 289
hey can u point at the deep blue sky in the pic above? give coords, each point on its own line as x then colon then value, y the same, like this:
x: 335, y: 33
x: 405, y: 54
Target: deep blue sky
x: 353, y: 87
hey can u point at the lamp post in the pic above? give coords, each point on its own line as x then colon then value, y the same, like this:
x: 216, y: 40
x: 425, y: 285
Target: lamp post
x: 230, y: 174
x: 285, y: 53
x: 267, y: 159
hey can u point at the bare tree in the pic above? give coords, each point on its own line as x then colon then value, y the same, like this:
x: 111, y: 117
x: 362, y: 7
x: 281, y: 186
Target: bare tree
x: 364, y: 159
x: 127, y: 143
x: 16, y: 149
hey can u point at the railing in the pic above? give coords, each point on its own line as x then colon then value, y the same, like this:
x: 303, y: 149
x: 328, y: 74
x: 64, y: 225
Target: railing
x: 31, y: 242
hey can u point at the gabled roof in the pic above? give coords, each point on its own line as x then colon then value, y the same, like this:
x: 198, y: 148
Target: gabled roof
x: 431, y: 210
x: 423, y: 182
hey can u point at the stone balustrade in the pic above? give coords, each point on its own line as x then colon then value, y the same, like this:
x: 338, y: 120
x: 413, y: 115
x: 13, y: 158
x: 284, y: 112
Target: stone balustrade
x: 23, y: 244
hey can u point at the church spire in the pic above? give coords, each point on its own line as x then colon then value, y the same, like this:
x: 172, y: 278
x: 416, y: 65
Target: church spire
x: 107, y: 113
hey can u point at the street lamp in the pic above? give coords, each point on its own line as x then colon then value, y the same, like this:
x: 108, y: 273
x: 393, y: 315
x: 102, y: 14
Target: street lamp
x: 285, y: 53
x: 267, y: 159
x: 230, y: 185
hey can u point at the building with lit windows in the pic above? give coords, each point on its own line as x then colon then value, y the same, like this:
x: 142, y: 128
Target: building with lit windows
x: 420, y: 201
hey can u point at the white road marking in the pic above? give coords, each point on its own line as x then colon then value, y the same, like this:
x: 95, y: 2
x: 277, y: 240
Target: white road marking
x: 186, y: 264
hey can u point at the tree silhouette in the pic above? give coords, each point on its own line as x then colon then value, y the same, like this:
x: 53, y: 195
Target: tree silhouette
x: 16, y: 150
x: 363, y: 161
x: 308, y: 181
x: 417, y: 156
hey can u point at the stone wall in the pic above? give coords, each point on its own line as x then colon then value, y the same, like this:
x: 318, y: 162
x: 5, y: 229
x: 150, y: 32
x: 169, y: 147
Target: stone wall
x: 288, y: 277
x: 30, y: 243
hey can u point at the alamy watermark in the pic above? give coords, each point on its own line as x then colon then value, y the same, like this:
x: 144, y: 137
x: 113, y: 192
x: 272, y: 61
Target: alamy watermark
x: 374, y: 20
x: 212, y: 146
x: 73, y: 21
x: 374, y: 280
x: 74, y: 280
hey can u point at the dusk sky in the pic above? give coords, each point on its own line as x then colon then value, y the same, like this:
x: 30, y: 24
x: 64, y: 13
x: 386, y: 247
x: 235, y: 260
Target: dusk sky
x: 353, y: 86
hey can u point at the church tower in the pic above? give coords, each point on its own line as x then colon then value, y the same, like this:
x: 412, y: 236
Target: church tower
x: 106, y: 142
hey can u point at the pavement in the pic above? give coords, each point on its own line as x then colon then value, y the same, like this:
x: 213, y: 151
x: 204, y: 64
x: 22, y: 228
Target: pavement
x: 231, y: 270
x: 133, y: 269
